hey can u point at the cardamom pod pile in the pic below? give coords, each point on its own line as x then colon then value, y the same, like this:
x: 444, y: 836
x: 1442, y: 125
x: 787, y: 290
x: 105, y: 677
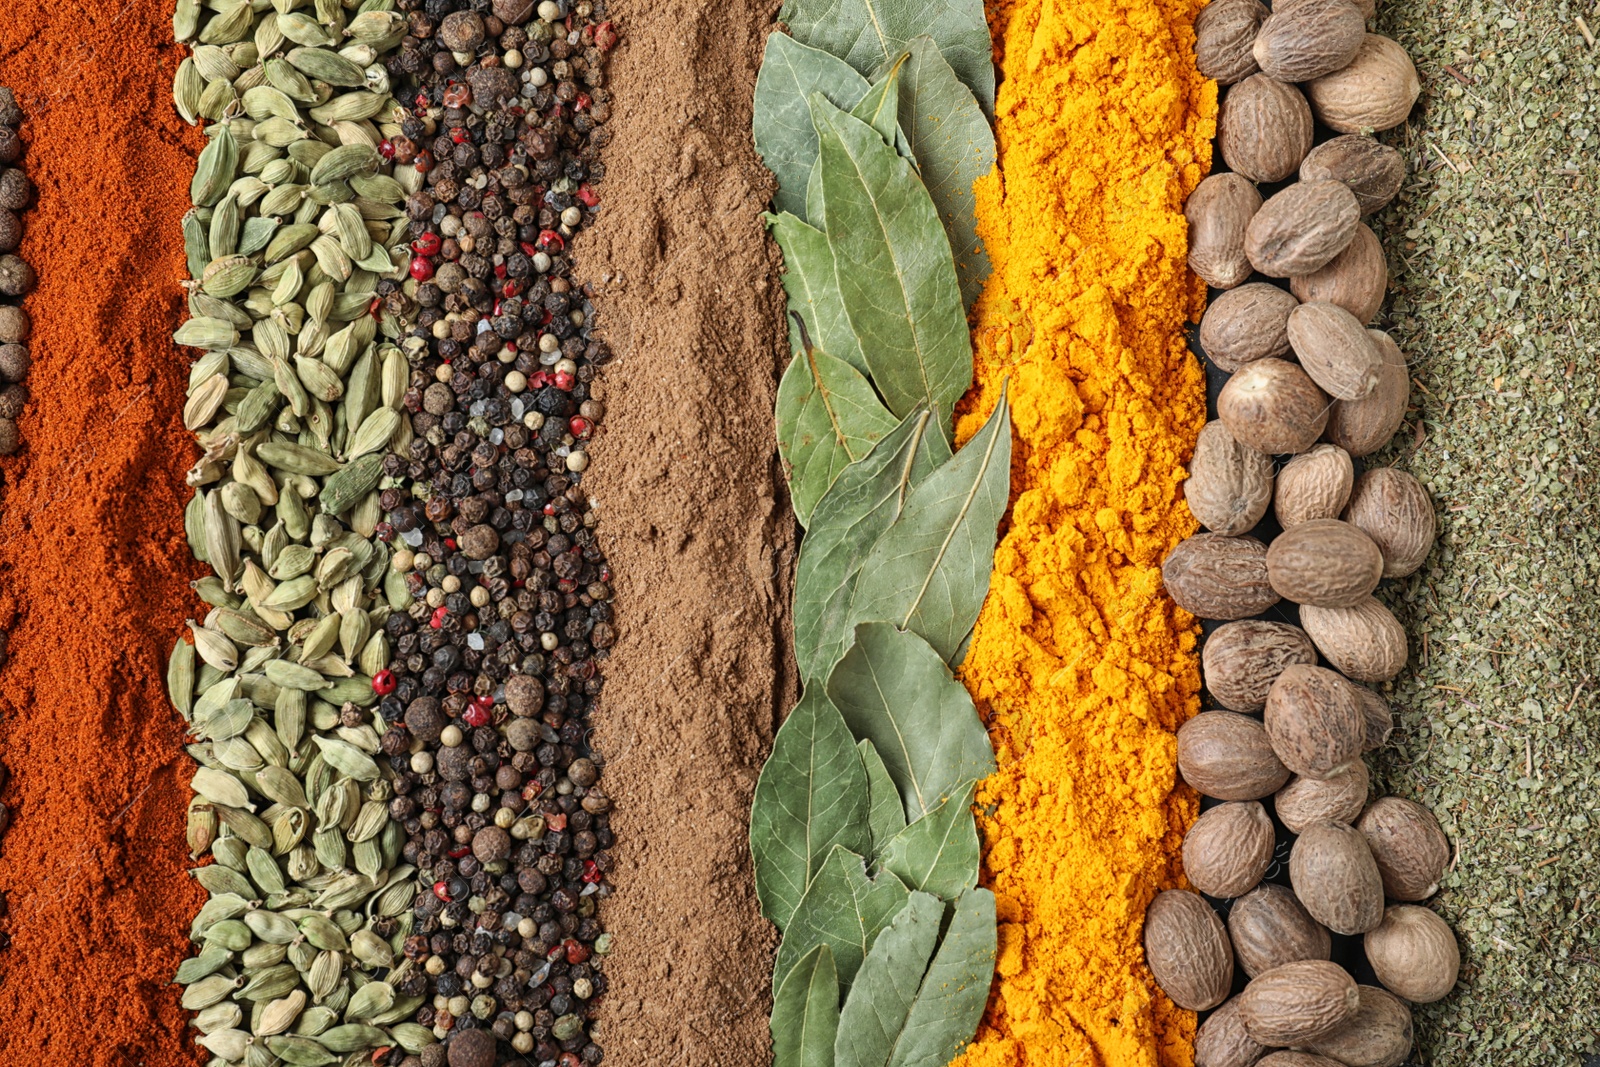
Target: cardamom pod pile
x: 372, y: 719
x: 16, y: 280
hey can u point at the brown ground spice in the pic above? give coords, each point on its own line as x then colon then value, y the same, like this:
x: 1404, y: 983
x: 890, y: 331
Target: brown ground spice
x: 698, y: 530
x: 93, y: 566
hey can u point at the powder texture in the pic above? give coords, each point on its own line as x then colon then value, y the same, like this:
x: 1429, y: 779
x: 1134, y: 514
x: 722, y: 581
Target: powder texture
x: 93, y: 564
x: 1081, y: 664
x: 697, y: 528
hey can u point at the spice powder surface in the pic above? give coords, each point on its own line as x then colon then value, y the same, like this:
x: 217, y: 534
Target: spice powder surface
x: 1080, y: 663
x: 93, y: 566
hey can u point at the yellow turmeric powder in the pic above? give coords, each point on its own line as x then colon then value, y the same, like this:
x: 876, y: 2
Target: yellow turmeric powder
x: 1082, y: 665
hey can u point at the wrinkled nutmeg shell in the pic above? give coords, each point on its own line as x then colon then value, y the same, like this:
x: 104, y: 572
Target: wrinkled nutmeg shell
x: 1373, y: 171
x: 1363, y: 426
x: 1264, y: 128
x: 1393, y: 508
x: 1269, y: 927
x: 1326, y: 563
x: 1314, y: 485
x: 1241, y: 660
x: 1224, y: 32
x: 1218, y: 577
x: 1273, y: 406
x: 1246, y: 324
x: 1335, y: 877
x: 1302, y: 228
x: 1228, y: 756
x: 1186, y: 948
x: 1229, y: 484
x: 1218, y: 211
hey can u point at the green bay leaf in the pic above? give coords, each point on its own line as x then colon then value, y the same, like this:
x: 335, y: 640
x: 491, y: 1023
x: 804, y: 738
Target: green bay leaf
x: 953, y: 145
x: 880, y: 107
x: 813, y: 290
x: 894, y: 690
x: 828, y: 418
x: 867, y: 497
x: 784, y: 135
x: 886, y: 814
x: 866, y: 33
x: 929, y: 571
x: 950, y: 1001
x: 875, y: 1012
x: 894, y: 267
x: 811, y: 796
x: 843, y: 909
x: 805, y: 1012
x: 938, y: 853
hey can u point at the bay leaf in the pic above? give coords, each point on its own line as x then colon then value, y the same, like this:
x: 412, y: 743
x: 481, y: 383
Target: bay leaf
x: 813, y: 290
x: 951, y: 999
x: 784, y: 136
x: 929, y: 571
x: 894, y: 690
x: 828, y: 418
x: 886, y: 815
x: 886, y: 986
x: 953, y: 145
x: 900, y: 290
x: 843, y: 909
x: 865, y: 33
x: 880, y: 107
x: 847, y: 521
x: 811, y: 796
x: 938, y: 853
x: 805, y: 1012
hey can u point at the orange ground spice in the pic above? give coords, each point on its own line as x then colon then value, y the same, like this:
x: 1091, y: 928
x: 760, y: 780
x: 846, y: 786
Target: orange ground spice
x: 93, y: 564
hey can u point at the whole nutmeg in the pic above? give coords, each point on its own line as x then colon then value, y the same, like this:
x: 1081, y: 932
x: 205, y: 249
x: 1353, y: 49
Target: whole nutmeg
x: 1229, y: 484
x: 1223, y: 33
x: 1221, y: 1040
x: 14, y: 325
x: 1380, y: 719
x: 480, y: 542
x: 1309, y: 38
x: 1298, y: 1002
x: 1355, y: 279
x: 10, y: 230
x: 524, y: 695
x: 14, y: 362
x: 1228, y: 849
x: 1218, y: 211
x: 461, y: 31
x: 1393, y: 508
x: 1314, y: 721
x: 1246, y: 324
x: 490, y: 844
x: 1229, y: 756
x: 1373, y: 171
x: 1269, y: 927
x: 10, y: 438
x: 15, y: 190
x: 1379, y: 1034
x: 1274, y: 407
x: 1365, y: 643
x: 1294, y: 1058
x: 13, y: 398
x: 10, y: 145
x: 1363, y: 426
x: 471, y: 1048
x: 1314, y: 485
x: 1375, y: 92
x: 1326, y: 563
x: 16, y: 277
x: 1410, y: 847
x: 1414, y: 954
x: 1302, y: 228
x: 1186, y: 948
x: 1241, y: 660
x: 1333, y: 347
x: 1334, y: 875
x: 1218, y: 577
x: 1264, y: 128
x: 1337, y: 798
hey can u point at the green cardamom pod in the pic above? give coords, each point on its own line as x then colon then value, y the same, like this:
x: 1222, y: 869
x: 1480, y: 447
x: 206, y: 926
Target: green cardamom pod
x: 207, y: 963
x: 208, y: 991
x: 206, y: 333
x: 352, y: 1037
x: 341, y: 491
x: 180, y: 677
x: 214, y: 647
x: 272, y: 982
x: 187, y: 87
x: 219, y: 161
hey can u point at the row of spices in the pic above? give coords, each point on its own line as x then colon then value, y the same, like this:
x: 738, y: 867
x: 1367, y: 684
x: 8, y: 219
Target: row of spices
x: 17, y: 278
x: 389, y: 696
x: 1304, y: 368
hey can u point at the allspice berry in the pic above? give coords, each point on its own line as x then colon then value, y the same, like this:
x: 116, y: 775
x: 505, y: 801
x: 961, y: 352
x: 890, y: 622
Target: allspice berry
x: 10, y: 438
x: 10, y: 113
x: 523, y: 735
x: 10, y: 230
x: 490, y: 844
x: 461, y: 32
x: 14, y: 362
x: 424, y: 719
x: 16, y: 277
x: 10, y: 145
x: 14, y: 325
x: 524, y: 695
x: 15, y: 191
x: 472, y: 1048
x: 13, y: 398
x: 480, y: 542
x: 513, y: 12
